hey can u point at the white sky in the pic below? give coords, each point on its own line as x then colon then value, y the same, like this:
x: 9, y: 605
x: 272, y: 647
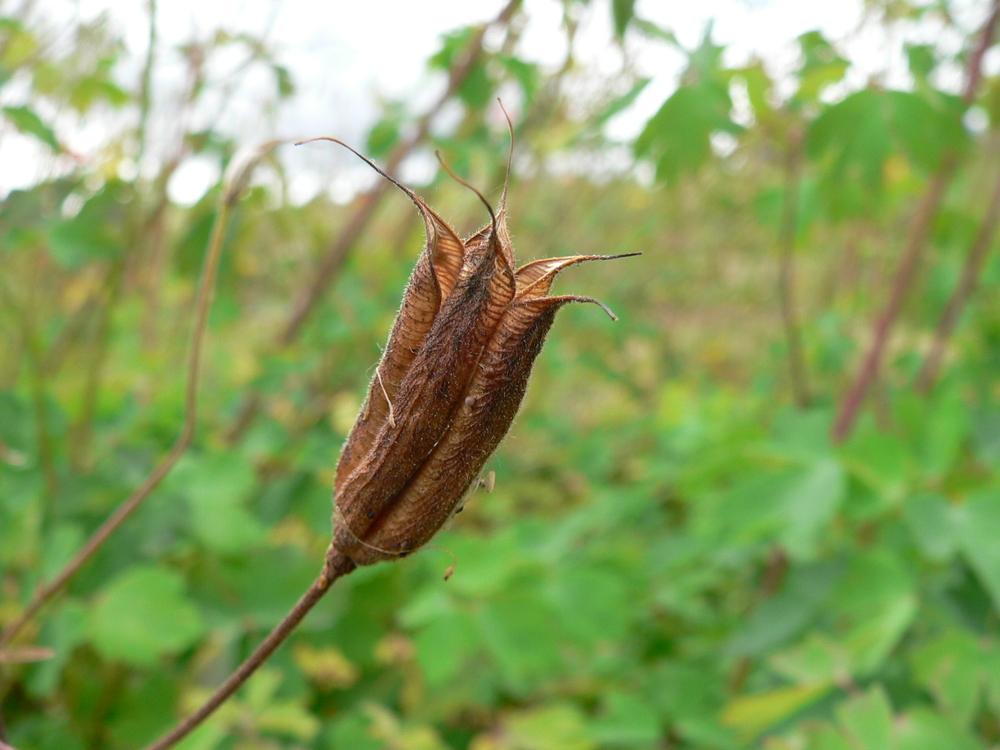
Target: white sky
x: 343, y: 56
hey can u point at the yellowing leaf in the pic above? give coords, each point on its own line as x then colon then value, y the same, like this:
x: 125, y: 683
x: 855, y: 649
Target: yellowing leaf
x: 751, y: 715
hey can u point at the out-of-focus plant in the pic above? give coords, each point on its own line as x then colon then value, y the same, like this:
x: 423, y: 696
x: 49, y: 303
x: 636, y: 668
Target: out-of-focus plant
x: 676, y: 552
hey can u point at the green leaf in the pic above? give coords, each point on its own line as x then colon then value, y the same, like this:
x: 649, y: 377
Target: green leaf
x: 875, y: 604
x: 62, y: 631
x: 817, y: 660
x: 139, y: 717
x: 451, y: 46
x: 810, y: 504
x: 953, y: 668
x: 96, y: 88
x: 867, y: 720
x: 19, y: 44
x: 620, y: 103
x: 525, y: 73
x: 926, y: 129
x: 61, y: 544
x: 932, y: 524
x: 476, y: 89
x: 787, y: 614
x: 922, y: 60
x: 678, y: 137
x: 852, y: 139
x: 351, y: 729
x: 594, y: 604
x: 559, y: 726
x: 97, y: 232
x: 978, y: 528
x: 946, y: 429
x: 217, y: 486
x: 760, y: 91
x: 518, y: 628
x: 622, y: 12
x: 922, y: 729
x: 881, y: 461
x: 751, y: 715
x: 142, y: 616
x: 27, y: 121
x: 283, y: 78
x: 384, y: 135
x: 625, y: 721
x: 444, y: 646
x: 825, y: 737
x: 821, y: 66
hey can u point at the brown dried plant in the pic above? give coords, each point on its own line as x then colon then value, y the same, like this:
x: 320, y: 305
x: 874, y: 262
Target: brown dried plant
x: 445, y: 393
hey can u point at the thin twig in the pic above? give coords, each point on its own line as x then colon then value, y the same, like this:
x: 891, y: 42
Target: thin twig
x: 145, y: 88
x: 35, y: 359
x: 335, y: 567
x: 851, y: 405
x: 82, y: 430
x: 116, y: 519
x: 40, y: 405
x: 963, y: 291
x: 786, y: 277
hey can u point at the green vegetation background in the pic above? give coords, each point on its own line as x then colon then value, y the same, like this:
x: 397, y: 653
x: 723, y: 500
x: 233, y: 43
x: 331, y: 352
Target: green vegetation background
x: 676, y: 554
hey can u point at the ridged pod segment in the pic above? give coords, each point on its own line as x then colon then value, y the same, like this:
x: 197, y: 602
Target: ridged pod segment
x: 446, y: 391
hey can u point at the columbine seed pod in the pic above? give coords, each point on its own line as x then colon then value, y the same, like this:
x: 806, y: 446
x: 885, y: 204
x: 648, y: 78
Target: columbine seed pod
x: 450, y: 381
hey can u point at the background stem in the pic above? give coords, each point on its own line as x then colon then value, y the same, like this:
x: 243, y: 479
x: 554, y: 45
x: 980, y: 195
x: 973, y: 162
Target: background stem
x: 962, y: 293
x: 116, y: 519
x: 906, y: 273
x: 786, y: 279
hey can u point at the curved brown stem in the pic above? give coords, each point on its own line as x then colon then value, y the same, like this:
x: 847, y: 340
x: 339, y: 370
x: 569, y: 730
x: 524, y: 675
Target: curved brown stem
x: 850, y: 407
x: 116, y: 519
x: 335, y: 567
x: 962, y: 292
x: 905, y: 274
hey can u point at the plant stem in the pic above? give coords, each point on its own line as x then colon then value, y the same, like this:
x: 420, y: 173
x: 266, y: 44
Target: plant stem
x: 335, y: 567
x: 35, y: 360
x: 905, y: 274
x: 960, y: 295
x: 851, y: 405
x: 83, y: 428
x: 145, y: 90
x: 116, y: 519
x: 786, y: 278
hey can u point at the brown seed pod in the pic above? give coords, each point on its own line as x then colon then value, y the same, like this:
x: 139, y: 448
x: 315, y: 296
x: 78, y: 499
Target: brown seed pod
x: 445, y: 393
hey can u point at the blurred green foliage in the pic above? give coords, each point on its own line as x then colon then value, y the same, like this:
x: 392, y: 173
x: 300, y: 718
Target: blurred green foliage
x: 675, y: 555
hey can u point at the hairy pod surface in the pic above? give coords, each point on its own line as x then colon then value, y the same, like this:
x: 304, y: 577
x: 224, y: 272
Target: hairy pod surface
x: 446, y: 391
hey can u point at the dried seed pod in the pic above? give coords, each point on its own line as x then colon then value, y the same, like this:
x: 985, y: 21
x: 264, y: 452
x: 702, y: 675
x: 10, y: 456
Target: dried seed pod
x: 449, y: 384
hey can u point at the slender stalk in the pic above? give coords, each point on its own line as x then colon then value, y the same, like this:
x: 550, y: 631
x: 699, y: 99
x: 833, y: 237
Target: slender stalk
x: 83, y: 428
x: 962, y: 293
x: 34, y: 358
x: 335, y: 567
x: 850, y: 407
x: 786, y: 277
x: 145, y: 89
x: 116, y: 519
x: 40, y: 405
